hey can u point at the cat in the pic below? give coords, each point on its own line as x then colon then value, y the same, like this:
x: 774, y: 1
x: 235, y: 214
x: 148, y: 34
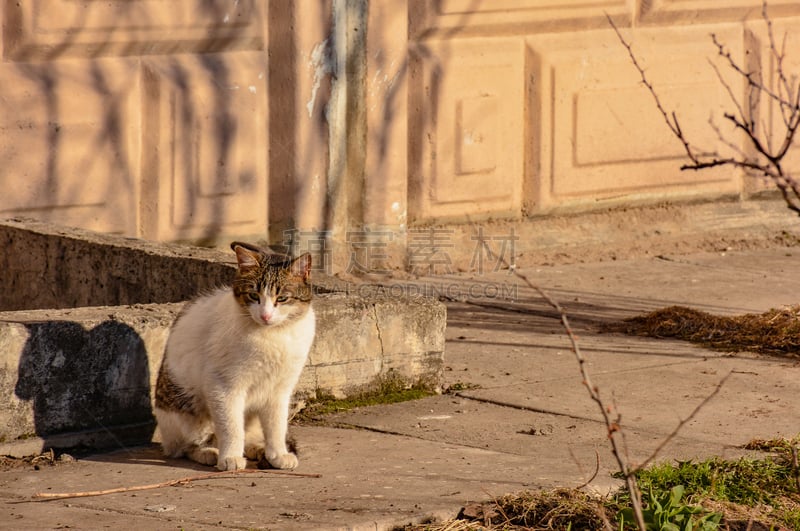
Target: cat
x: 232, y: 361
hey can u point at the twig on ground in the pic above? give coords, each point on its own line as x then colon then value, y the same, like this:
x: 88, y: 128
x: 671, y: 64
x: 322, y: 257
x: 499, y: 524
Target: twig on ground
x: 50, y: 496
x: 596, y: 469
x: 497, y: 505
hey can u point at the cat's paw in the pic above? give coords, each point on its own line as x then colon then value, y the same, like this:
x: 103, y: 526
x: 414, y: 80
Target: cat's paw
x: 204, y: 455
x: 231, y: 463
x: 283, y: 461
x: 254, y: 452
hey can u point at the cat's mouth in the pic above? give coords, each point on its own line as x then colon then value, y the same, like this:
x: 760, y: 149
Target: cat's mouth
x: 272, y: 320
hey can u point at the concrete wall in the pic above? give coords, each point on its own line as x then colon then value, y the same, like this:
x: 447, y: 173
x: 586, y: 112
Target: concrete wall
x: 201, y: 120
x: 534, y: 107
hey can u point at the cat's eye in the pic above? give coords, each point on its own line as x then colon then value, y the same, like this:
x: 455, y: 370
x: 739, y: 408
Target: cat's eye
x: 281, y: 298
x: 253, y: 297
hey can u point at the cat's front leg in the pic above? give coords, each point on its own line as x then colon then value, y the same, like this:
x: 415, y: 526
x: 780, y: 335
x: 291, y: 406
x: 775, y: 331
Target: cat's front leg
x: 227, y: 412
x: 274, y: 421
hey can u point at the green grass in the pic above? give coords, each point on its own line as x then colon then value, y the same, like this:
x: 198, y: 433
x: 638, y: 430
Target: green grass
x: 744, y: 481
x: 461, y: 386
x: 764, y: 486
x: 386, y: 390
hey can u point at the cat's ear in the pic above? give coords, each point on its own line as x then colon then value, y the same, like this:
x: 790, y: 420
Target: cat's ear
x: 246, y: 255
x: 301, y: 266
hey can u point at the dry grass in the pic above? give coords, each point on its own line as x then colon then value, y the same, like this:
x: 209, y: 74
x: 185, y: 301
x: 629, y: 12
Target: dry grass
x: 556, y: 509
x: 566, y: 509
x: 36, y: 461
x: 550, y: 510
x: 772, y: 332
x: 739, y: 517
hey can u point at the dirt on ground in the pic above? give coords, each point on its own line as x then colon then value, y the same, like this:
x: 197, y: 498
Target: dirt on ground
x: 620, y: 234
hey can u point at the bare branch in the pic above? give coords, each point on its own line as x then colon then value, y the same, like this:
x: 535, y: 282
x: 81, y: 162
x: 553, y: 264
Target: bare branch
x: 784, y: 84
x: 664, y: 442
x: 671, y: 119
x: 742, y: 116
x: 733, y: 147
x: 791, y: 199
x: 757, y: 84
x: 791, y: 129
x: 611, y: 421
x: 744, y: 119
x: 674, y: 127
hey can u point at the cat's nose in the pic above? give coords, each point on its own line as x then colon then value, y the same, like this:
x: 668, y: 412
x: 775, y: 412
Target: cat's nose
x: 266, y: 317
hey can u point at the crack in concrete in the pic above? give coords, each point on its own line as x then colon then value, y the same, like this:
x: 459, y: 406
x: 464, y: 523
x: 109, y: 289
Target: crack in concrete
x: 372, y: 429
x: 527, y: 408
x: 160, y: 517
x: 380, y: 336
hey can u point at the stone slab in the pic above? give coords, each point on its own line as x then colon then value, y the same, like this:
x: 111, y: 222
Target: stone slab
x: 368, y: 481
x: 563, y: 450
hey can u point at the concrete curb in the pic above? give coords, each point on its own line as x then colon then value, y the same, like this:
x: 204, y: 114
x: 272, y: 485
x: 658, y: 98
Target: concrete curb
x: 86, y: 376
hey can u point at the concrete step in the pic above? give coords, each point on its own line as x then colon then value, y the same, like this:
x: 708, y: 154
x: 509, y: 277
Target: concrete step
x: 85, y: 375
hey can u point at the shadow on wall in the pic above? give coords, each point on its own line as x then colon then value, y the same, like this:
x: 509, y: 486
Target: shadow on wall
x: 88, y: 97
x: 93, y: 381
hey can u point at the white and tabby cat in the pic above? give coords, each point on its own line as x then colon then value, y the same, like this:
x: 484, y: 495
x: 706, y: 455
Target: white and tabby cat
x: 232, y: 361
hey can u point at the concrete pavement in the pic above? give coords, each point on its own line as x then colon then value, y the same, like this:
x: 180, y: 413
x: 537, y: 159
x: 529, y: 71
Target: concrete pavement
x: 521, y: 419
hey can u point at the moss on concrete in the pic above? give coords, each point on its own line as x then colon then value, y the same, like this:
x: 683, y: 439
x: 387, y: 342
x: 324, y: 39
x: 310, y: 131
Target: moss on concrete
x: 386, y: 389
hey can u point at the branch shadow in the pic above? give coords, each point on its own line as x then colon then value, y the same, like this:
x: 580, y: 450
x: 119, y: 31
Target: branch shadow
x: 91, y: 171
